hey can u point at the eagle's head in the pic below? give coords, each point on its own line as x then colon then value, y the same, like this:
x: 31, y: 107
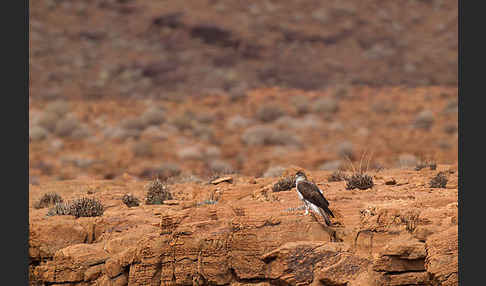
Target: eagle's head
x: 300, y: 176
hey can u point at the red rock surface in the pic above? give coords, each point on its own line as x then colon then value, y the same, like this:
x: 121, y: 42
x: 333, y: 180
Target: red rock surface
x: 404, y: 234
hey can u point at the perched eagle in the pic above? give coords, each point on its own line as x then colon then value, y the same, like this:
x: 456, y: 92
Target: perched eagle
x: 312, y: 197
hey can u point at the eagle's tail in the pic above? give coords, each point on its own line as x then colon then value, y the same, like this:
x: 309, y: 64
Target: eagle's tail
x: 325, y: 215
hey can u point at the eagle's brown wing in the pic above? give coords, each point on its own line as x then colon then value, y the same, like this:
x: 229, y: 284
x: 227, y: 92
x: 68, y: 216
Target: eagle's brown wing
x: 311, y: 193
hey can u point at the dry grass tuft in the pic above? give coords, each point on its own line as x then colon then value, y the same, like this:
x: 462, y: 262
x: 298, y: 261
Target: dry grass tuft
x: 157, y: 193
x: 439, y: 181
x: 284, y: 184
x: 48, y: 199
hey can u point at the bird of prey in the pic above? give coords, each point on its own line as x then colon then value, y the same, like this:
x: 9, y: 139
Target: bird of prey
x: 312, y: 197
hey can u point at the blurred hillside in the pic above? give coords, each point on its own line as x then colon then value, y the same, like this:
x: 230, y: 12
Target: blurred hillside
x: 165, y: 49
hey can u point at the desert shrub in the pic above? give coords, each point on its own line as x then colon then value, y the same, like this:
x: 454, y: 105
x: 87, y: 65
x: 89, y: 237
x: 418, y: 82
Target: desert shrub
x: 48, y: 199
x: 206, y: 202
x: 345, y: 149
x: 266, y: 135
x: 384, y: 107
x: 220, y: 167
x: 58, y: 107
x: 450, y: 129
x: 81, y: 132
x: 212, y: 152
x: 424, y: 164
x: 337, y: 176
x: 205, y: 118
x: 130, y: 200
x: 86, y: 207
x: 134, y: 123
x: 424, y: 120
x: 202, y: 131
x: 269, y: 113
x: 184, y: 121
x: 120, y: 133
x: 342, y: 91
x: 275, y: 171
x: 325, y: 105
x: 59, y: 209
x: 301, y: 103
x: 157, y: 193
x: 190, y: 153
x: 37, y: 133
x: 439, y: 181
x: 49, y: 121
x: 407, y: 160
x: 153, y: 116
x: 142, y: 149
x: 164, y: 171
x: 451, y: 107
x: 284, y: 184
x: 359, y: 181
x: 238, y: 121
x: 65, y: 127
x: 332, y: 165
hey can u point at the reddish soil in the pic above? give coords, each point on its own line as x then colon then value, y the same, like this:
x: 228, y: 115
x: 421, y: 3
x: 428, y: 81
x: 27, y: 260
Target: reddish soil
x: 124, y: 91
x: 400, y: 234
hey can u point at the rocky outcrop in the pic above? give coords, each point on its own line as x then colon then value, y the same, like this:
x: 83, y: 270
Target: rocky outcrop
x: 242, y: 239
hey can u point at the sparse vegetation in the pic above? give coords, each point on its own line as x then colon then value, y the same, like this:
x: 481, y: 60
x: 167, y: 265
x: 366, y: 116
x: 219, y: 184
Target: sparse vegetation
x: 450, y: 129
x: 274, y: 171
x: 302, y: 104
x: 345, y: 149
x: 424, y: 120
x: 424, y: 164
x: 142, y: 149
x: 48, y: 121
x: 439, y: 181
x: 157, y: 193
x: 164, y: 171
x: 86, y: 207
x: 65, y: 127
x: 284, y: 184
x: 48, y: 199
x: 325, y: 105
x: 269, y: 113
x: 130, y: 200
x: 266, y: 135
x: 337, y: 176
x: 184, y: 121
x: 133, y: 123
x: 59, y: 209
x: 220, y: 167
x: 58, y: 107
x: 359, y: 181
x: 38, y: 133
x: 153, y: 116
